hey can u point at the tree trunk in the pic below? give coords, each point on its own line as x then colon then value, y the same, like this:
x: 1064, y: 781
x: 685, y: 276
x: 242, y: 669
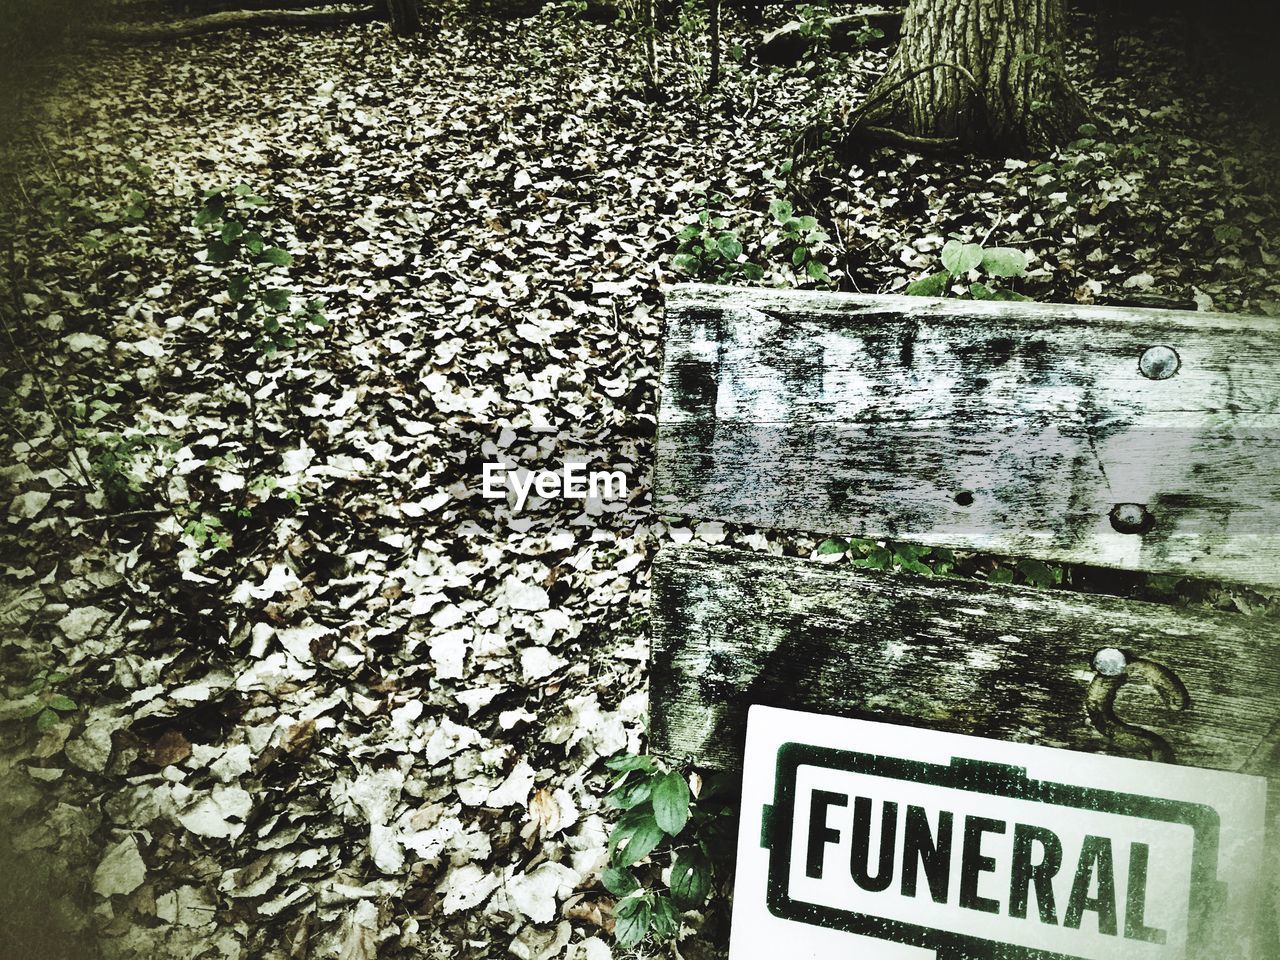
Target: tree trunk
x: 978, y: 74
x: 1108, y: 37
x: 405, y: 17
x: 649, y: 25
x: 713, y: 29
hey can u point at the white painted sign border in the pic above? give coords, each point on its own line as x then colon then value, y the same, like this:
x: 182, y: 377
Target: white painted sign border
x: 759, y: 934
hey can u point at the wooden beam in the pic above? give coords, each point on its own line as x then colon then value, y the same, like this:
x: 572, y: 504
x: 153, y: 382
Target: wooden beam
x: 1130, y: 438
x: 732, y: 628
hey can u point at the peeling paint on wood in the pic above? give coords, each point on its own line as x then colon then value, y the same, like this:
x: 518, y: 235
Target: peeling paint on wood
x: 1130, y: 438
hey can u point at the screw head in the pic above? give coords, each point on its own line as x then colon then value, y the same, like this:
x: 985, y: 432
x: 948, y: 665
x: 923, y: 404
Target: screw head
x: 1159, y: 363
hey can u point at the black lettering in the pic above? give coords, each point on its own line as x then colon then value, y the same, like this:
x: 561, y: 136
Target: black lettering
x: 973, y: 863
x: 1095, y: 858
x: 861, y: 847
x: 920, y: 849
x: 819, y: 833
x: 1136, y: 899
x: 1041, y: 874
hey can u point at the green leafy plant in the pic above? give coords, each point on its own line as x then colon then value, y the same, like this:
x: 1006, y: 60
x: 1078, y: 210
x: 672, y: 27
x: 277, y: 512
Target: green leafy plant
x: 691, y: 29
x: 976, y: 269
x: 263, y: 487
x: 815, y: 22
x: 940, y: 561
x: 40, y: 699
x: 888, y: 555
x: 798, y: 240
x: 263, y: 315
x: 237, y: 243
x: 709, y: 250
x: 105, y: 227
x: 136, y: 205
x: 119, y: 461
x: 111, y: 461
x: 206, y: 534
x: 664, y: 822
x: 567, y: 11
x: 638, y: 22
x: 867, y: 33
x: 1035, y: 573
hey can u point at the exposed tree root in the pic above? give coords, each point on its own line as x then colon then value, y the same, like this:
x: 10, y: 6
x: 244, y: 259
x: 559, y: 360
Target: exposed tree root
x: 876, y: 120
x: 856, y: 128
x: 228, y: 20
x: 898, y: 138
x: 890, y: 85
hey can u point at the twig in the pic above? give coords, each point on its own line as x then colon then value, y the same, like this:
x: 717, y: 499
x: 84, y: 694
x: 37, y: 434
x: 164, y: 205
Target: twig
x: 20, y: 310
x: 40, y: 456
x: 53, y: 164
x: 23, y: 190
x: 911, y: 140
x: 844, y: 251
x: 119, y: 516
x: 755, y: 96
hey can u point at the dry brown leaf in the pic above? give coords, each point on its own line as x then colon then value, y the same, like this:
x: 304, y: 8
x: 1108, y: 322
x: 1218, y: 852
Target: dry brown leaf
x: 171, y: 748
x: 299, y: 737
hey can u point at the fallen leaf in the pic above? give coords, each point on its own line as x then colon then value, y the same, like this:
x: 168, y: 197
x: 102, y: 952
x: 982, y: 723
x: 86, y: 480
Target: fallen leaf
x: 27, y: 506
x: 171, y: 748
x: 121, y: 871
x: 465, y: 887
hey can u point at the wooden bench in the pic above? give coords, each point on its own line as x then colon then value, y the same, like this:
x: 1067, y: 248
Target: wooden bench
x: 1132, y: 439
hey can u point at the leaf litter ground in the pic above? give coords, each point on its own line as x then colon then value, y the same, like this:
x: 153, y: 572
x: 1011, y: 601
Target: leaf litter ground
x: 374, y: 724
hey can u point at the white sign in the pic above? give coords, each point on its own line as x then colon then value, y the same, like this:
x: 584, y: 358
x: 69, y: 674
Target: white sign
x: 882, y: 842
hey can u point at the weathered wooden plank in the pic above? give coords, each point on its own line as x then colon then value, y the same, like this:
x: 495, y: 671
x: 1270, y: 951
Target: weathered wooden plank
x: 731, y: 628
x: 1132, y: 438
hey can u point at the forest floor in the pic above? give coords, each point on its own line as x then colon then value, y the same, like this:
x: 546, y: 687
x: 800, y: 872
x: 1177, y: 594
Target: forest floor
x: 280, y: 681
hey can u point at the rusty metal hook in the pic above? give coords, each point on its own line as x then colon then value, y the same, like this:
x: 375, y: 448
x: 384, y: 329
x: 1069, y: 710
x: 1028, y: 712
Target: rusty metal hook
x: 1112, y: 670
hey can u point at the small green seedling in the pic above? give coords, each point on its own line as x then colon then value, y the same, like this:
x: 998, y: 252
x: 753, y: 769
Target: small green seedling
x: 974, y: 269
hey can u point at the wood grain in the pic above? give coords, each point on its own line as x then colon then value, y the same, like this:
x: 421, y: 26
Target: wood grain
x: 1011, y: 428
x: 731, y: 628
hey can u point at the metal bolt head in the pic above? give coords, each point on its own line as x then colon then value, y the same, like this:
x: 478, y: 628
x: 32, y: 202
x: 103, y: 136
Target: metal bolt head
x: 1110, y: 662
x: 1159, y: 363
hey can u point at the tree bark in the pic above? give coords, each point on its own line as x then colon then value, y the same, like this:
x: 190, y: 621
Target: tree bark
x: 1108, y: 37
x: 649, y: 25
x: 713, y: 29
x: 977, y: 74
